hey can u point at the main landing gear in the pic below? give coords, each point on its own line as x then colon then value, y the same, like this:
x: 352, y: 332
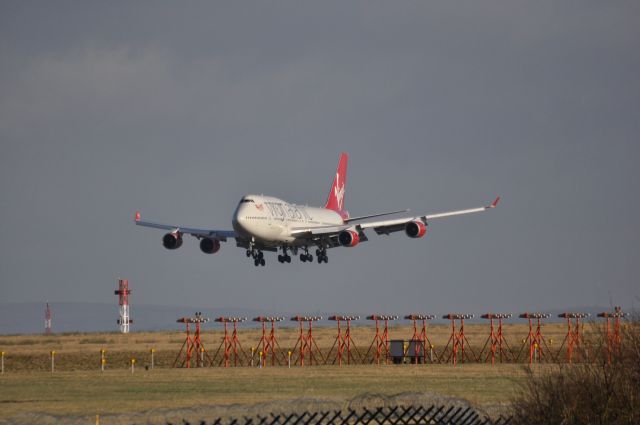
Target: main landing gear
x: 285, y: 257
x: 257, y: 255
x: 304, y: 257
x: 322, y: 255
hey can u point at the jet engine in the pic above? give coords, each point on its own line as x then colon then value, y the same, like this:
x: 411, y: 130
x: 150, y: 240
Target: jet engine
x: 172, y: 240
x: 209, y: 246
x: 415, y: 229
x: 348, y: 238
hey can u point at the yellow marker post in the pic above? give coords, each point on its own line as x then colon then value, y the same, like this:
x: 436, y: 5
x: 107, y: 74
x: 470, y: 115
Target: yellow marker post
x: 431, y: 347
x: 102, y: 359
x: 290, y: 358
x: 152, y: 351
x: 1, y: 361
x: 202, y: 356
x: 133, y: 363
x: 535, y: 353
x: 253, y: 350
x: 53, y: 356
x: 260, y: 359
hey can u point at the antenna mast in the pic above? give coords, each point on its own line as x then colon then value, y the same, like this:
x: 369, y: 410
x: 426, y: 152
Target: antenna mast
x: 123, y: 292
x: 47, y: 319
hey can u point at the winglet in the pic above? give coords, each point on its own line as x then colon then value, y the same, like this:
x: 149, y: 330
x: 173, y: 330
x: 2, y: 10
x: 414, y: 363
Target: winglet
x: 495, y: 203
x: 137, y: 217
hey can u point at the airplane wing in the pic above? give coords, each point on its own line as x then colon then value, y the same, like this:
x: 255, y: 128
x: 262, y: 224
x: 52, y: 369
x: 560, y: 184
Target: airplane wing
x: 328, y: 235
x: 319, y: 231
x: 390, y: 226
x: 384, y: 227
x: 362, y: 217
x: 221, y: 235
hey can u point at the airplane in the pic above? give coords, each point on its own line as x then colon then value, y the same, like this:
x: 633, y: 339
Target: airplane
x: 264, y: 223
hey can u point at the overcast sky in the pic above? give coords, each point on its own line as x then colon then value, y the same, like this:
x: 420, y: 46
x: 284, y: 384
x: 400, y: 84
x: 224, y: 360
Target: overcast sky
x: 178, y: 109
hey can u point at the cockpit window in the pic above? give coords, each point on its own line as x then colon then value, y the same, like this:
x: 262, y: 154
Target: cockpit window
x: 246, y: 200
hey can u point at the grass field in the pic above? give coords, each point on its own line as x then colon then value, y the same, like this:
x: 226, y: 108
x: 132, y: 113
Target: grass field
x: 88, y: 393
x: 78, y: 387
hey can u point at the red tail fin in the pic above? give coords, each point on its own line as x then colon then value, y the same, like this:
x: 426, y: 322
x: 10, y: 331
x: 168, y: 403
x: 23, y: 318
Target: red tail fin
x: 335, y: 201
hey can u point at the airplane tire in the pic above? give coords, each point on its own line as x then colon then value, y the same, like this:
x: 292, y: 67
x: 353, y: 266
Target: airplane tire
x: 262, y: 262
x: 288, y: 259
x: 310, y: 258
x: 319, y: 260
x: 326, y: 259
x: 248, y: 253
x: 260, y: 255
x: 303, y: 258
x: 256, y: 262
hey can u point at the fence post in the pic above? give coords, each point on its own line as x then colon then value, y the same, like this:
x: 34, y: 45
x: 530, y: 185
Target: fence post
x: 289, y: 359
x: 53, y: 355
x: 153, y: 350
x: 133, y: 363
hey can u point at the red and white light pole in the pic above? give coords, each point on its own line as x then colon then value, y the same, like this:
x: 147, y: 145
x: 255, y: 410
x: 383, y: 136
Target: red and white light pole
x: 47, y: 320
x: 123, y: 300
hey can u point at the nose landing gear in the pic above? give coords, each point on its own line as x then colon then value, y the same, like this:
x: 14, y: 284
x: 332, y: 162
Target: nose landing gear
x: 257, y: 255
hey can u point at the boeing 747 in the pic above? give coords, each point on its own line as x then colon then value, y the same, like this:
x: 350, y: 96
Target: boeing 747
x: 264, y: 223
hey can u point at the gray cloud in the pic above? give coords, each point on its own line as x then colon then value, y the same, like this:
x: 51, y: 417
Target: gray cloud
x: 178, y: 111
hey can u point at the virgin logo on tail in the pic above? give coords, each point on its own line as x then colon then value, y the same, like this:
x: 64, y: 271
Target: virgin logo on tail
x: 338, y: 191
x: 335, y: 201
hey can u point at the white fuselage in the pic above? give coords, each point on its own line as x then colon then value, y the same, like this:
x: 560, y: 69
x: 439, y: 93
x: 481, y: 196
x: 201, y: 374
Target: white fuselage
x: 271, y: 220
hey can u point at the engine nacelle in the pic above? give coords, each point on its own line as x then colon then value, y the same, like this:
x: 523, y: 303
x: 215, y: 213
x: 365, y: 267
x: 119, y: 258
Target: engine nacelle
x: 349, y: 238
x: 209, y: 246
x: 415, y: 229
x: 172, y: 240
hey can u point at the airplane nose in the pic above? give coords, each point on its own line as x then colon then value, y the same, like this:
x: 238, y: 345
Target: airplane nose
x: 240, y: 221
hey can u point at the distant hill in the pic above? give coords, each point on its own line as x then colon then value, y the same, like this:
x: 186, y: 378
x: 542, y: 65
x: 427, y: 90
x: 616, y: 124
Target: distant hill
x: 19, y: 318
